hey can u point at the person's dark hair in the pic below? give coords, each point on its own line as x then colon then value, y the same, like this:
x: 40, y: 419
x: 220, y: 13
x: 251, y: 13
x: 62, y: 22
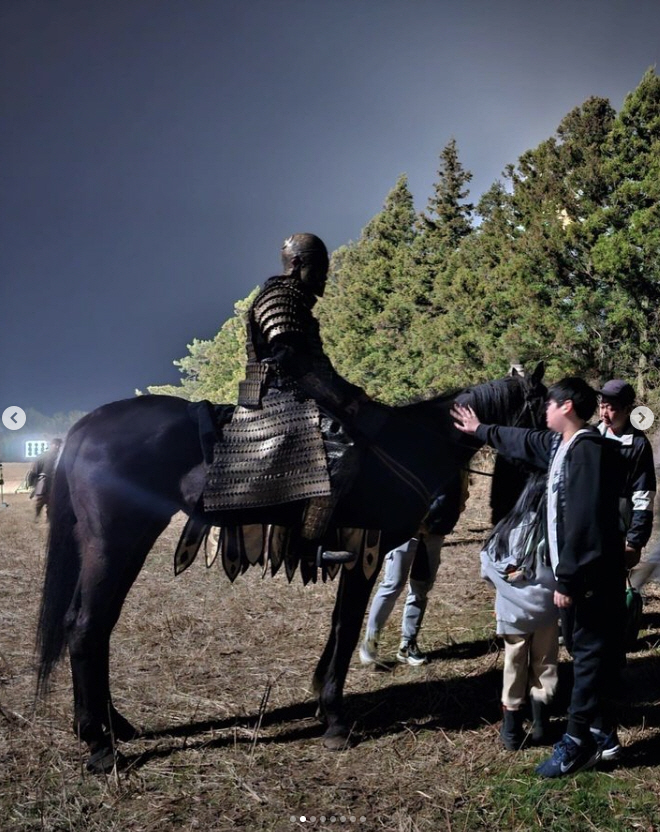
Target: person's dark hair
x: 576, y: 390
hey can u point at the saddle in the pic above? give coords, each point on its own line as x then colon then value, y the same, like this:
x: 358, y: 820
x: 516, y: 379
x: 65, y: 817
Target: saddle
x: 263, y: 468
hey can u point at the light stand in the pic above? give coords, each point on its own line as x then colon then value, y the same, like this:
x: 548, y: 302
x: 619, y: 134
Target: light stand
x: 2, y: 490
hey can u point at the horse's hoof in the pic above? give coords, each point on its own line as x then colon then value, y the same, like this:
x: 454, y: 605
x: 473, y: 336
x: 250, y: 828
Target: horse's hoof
x: 104, y: 760
x: 337, y: 741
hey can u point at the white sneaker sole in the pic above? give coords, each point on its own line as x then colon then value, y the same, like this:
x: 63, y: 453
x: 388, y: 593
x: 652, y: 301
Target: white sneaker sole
x: 413, y: 662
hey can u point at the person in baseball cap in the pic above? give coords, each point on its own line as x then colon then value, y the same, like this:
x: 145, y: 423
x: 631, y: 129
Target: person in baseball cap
x: 616, y: 404
x: 619, y: 391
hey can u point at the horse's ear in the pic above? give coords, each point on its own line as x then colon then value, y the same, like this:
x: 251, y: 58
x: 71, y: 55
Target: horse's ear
x: 539, y: 372
x: 513, y: 372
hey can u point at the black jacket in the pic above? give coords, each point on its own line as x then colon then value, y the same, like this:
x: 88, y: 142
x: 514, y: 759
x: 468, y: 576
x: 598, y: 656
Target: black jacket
x: 590, y: 542
x: 640, y: 484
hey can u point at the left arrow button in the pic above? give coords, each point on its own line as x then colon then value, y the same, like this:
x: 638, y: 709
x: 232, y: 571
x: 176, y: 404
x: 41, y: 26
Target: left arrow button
x: 13, y: 417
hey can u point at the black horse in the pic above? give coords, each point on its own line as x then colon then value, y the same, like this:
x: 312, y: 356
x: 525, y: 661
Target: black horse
x: 129, y: 466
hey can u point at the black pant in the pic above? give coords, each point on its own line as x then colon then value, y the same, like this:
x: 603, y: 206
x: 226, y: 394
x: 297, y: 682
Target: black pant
x: 592, y: 628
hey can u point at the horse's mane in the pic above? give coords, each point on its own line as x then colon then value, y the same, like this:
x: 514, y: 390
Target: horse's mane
x: 493, y: 401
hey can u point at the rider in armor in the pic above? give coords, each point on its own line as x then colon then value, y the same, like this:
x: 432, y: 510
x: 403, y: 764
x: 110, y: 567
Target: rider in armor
x: 288, y: 430
x: 283, y: 332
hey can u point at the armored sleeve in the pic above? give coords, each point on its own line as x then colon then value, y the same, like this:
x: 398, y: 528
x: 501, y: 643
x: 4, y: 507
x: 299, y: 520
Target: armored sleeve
x: 283, y: 315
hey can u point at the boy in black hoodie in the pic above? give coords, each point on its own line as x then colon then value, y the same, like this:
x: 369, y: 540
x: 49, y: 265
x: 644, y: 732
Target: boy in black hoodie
x: 586, y: 548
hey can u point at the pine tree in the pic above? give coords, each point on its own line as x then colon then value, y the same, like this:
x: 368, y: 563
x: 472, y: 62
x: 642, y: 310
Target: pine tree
x: 213, y: 368
x: 447, y: 220
x: 366, y: 314
x: 626, y: 253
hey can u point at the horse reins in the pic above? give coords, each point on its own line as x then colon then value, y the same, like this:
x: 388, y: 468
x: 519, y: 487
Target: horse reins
x: 404, y: 474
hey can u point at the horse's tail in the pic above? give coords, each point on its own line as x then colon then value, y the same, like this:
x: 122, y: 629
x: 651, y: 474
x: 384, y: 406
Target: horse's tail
x: 60, y: 578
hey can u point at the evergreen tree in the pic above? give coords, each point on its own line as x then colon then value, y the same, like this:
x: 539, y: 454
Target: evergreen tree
x: 366, y: 314
x: 444, y: 229
x: 213, y: 368
x: 626, y: 253
x: 448, y: 216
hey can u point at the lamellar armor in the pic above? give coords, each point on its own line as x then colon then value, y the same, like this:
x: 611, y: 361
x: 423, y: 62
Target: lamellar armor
x: 277, y: 447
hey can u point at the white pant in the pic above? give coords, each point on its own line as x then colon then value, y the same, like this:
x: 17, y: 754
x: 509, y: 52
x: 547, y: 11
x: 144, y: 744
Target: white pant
x: 398, y: 564
x: 530, y: 666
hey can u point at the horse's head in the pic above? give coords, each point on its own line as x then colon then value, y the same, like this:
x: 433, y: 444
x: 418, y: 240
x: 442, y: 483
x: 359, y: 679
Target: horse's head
x: 535, y: 393
x: 517, y: 400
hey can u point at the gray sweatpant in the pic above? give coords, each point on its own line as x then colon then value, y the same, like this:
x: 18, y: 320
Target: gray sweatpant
x: 398, y: 564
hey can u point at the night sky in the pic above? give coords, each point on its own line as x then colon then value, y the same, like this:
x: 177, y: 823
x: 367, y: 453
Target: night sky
x: 155, y: 153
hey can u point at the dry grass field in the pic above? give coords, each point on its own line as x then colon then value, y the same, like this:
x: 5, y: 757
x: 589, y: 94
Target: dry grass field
x: 217, y: 675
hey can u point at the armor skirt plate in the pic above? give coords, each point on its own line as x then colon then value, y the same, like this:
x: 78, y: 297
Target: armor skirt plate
x: 270, y: 455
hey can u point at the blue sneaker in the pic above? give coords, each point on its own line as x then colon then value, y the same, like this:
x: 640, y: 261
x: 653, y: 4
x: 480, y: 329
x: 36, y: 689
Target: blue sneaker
x: 568, y: 757
x: 608, y: 744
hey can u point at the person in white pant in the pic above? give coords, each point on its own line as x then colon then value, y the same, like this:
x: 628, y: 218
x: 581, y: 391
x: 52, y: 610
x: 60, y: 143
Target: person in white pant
x: 415, y: 563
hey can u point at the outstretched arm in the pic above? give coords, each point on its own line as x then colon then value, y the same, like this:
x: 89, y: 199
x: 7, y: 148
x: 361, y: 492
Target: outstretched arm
x: 532, y: 446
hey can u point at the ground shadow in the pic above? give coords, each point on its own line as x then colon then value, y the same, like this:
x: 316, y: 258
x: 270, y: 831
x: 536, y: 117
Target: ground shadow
x: 461, y: 703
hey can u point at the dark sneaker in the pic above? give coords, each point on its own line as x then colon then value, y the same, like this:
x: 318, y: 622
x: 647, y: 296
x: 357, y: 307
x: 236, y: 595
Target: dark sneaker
x: 568, y: 758
x: 608, y: 744
x: 409, y: 653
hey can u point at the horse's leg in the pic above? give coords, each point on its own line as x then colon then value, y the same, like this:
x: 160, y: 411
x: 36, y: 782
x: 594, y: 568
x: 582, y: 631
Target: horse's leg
x: 108, y: 570
x: 330, y: 674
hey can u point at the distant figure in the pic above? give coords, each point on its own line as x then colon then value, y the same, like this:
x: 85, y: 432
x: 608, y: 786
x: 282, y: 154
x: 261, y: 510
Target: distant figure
x: 40, y: 476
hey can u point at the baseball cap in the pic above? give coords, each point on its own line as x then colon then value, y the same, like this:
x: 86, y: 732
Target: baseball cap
x: 618, y: 389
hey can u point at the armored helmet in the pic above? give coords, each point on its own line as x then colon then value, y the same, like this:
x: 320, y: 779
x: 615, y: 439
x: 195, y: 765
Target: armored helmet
x: 307, y: 256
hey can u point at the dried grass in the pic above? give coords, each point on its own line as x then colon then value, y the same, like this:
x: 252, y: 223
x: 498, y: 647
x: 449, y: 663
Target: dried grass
x: 219, y: 674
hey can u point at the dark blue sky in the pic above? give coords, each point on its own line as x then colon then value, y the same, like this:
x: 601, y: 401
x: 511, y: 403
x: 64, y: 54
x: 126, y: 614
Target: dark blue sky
x: 156, y: 152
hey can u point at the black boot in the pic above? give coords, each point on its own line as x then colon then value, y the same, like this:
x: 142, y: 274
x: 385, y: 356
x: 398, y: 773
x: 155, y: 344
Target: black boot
x: 511, y: 732
x: 540, y: 722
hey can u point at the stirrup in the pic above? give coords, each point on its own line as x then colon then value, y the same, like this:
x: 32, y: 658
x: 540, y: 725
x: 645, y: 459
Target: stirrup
x: 328, y: 558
